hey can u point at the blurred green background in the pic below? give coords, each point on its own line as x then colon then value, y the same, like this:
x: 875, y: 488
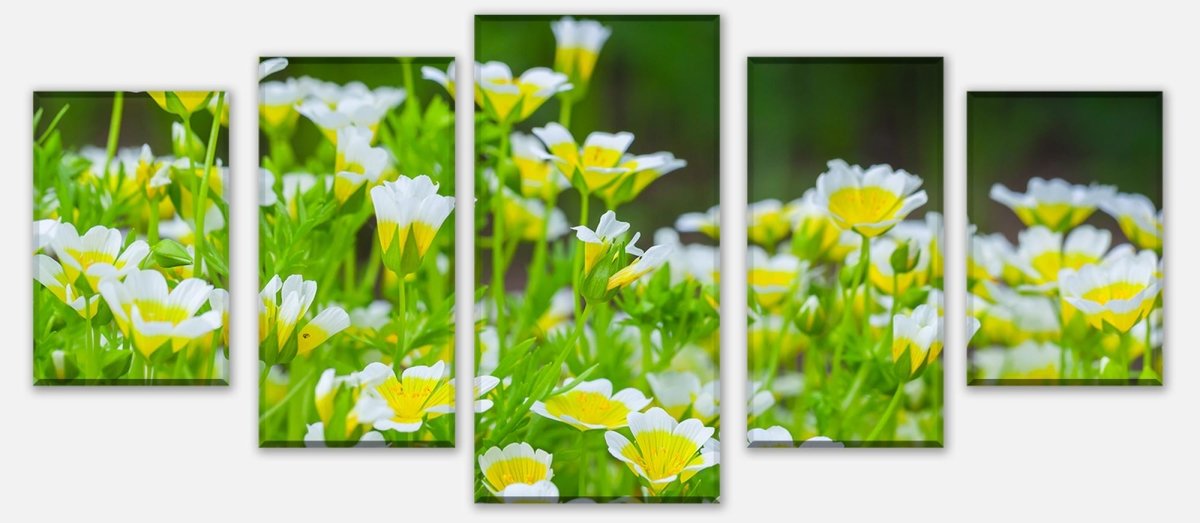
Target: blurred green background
x: 373, y: 72
x: 657, y: 77
x: 1107, y: 138
x: 804, y: 112
x: 142, y: 121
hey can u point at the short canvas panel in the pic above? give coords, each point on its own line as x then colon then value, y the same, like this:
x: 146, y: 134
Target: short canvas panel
x: 356, y: 253
x: 1065, y: 198
x: 845, y: 256
x: 131, y: 238
x: 597, y: 312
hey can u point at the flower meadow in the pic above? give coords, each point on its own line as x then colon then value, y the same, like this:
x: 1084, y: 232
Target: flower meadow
x: 1065, y: 259
x: 356, y: 337
x: 595, y: 341
x: 846, y: 312
x: 130, y: 251
x: 845, y: 256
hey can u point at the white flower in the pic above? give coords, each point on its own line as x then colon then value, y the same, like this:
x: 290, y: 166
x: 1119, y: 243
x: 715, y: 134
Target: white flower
x: 518, y: 471
x: 357, y: 163
x: 1119, y: 291
x: 266, y: 188
x: 1140, y: 222
x: 597, y: 162
x: 97, y: 255
x: 868, y: 202
x: 445, y: 78
x: 578, y: 46
x: 1055, y: 204
x: 408, y: 208
x: 708, y: 222
x: 315, y: 437
x: 153, y: 315
x: 500, y: 95
x: 592, y: 405
x: 663, y: 450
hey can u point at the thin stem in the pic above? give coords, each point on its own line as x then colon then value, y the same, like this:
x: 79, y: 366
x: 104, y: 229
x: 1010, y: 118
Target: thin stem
x: 887, y: 414
x: 201, y: 204
x: 498, y: 241
x: 865, y: 258
x: 402, y: 321
x: 564, y: 112
x: 1147, y: 356
x: 114, y: 131
x: 152, y: 226
x: 577, y: 256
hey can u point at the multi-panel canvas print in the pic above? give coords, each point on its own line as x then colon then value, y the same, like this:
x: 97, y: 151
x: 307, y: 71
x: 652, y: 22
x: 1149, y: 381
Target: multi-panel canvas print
x: 596, y: 185
x: 1064, y: 269
x: 845, y: 256
x: 131, y: 238
x: 356, y: 253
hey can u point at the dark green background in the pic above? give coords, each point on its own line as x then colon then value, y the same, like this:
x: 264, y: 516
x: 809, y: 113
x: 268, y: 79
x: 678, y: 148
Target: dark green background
x: 1108, y: 138
x: 142, y: 121
x: 657, y: 77
x: 804, y: 112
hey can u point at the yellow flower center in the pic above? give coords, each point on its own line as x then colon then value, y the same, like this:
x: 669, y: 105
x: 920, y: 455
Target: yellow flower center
x: 592, y: 408
x: 865, y: 205
x: 515, y: 470
x: 661, y: 454
x: 409, y: 398
x: 1113, y: 291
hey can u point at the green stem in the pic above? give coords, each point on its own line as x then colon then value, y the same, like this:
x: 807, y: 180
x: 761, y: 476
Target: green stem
x: 887, y: 414
x: 152, y: 226
x: 577, y: 255
x: 564, y: 112
x: 114, y: 131
x: 402, y: 320
x: 865, y: 258
x: 1147, y: 356
x: 498, y: 295
x: 201, y: 204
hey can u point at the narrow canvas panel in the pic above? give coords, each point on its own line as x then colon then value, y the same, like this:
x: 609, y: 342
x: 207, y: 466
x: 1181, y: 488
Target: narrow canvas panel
x: 356, y: 253
x: 126, y: 291
x: 596, y: 188
x: 845, y: 256
x: 1065, y: 194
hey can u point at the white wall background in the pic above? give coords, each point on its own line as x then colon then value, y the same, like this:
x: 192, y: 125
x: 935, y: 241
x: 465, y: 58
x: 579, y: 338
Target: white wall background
x: 191, y: 455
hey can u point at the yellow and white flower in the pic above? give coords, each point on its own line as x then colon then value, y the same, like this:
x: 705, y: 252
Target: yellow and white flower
x: 868, y: 202
x: 356, y: 106
x: 578, y: 47
x: 813, y: 229
x: 52, y: 276
x: 282, y: 304
x: 518, y: 471
x: 409, y: 212
x: 597, y: 162
x: 592, y: 405
x: 152, y: 315
x: 403, y: 404
x: 645, y: 263
x: 445, y: 78
x: 919, y: 336
x: 1119, y: 291
x: 774, y: 436
x: 1041, y: 253
x: 357, y: 163
x: 43, y: 235
x: 773, y: 277
x: 539, y: 178
x: 641, y: 171
x: 1055, y: 204
x: 707, y: 223
x: 266, y: 188
x: 663, y: 450
x: 1140, y: 222
x: 1013, y: 318
x: 510, y: 100
x: 1030, y: 360
x: 328, y: 322
x: 97, y: 255
x: 182, y: 103
x: 674, y: 391
x: 768, y: 222
x: 277, y: 103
